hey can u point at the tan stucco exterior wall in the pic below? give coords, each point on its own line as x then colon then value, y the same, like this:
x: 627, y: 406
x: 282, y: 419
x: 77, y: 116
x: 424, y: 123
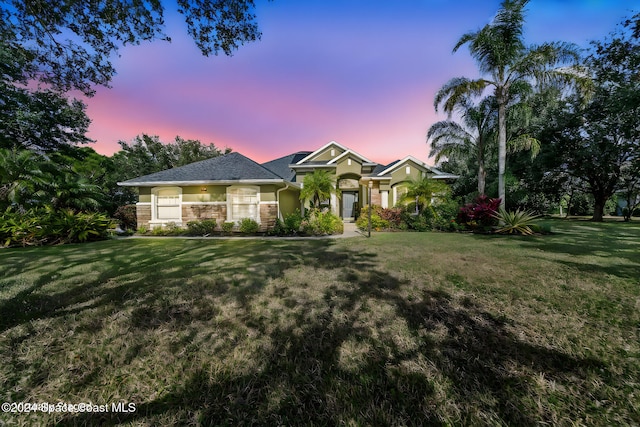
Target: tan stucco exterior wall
x: 212, y: 193
x: 289, y: 201
x: 326, y: 154
x: 343, y: 167
x: 268, y: 193
x: 144, y: 194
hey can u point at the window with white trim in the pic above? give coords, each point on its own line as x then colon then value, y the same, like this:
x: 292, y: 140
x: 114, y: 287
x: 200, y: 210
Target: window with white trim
x: 243, y: 202
x: 167, y: 204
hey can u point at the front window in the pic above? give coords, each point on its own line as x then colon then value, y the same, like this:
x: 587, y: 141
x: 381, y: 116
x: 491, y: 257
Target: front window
x: 167, y: 204
x: 243, y: 202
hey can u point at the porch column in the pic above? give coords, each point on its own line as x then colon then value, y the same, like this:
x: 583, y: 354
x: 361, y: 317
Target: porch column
x: 385, y: 199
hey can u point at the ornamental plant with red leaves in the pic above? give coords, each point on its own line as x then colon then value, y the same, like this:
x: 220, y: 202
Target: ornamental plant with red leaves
x: 479, y: 215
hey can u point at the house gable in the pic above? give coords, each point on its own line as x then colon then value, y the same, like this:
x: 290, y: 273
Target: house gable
x: 324, y: 154
x: 348, y: 164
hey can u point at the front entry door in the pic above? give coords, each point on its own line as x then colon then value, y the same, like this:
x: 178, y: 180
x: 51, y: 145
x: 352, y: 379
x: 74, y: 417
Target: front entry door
x: 349, y: 204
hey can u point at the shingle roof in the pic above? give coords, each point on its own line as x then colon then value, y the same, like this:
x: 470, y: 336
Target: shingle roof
x: 230, y: 167
x: 281, y: 168
x: 380, y: 168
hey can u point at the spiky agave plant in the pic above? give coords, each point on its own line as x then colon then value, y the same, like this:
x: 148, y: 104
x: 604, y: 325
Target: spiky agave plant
x: 518, y: 222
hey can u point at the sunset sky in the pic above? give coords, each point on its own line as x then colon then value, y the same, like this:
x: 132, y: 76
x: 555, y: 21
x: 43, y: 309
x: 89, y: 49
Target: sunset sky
x: 362, y: 73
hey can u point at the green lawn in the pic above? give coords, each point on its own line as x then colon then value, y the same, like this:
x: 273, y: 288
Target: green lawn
x: 399, y: 329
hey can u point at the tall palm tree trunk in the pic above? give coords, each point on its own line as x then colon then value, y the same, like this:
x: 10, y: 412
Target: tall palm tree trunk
x: 502, y: 143
x: 482, y: 176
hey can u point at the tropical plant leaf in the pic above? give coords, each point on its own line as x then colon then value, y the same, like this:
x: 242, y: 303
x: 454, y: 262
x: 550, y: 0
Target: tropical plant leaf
x: 515, y: 222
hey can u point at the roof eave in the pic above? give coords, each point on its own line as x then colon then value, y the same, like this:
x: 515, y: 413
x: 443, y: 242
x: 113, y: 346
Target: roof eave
x: 324, y: 165
x: 202, y: 182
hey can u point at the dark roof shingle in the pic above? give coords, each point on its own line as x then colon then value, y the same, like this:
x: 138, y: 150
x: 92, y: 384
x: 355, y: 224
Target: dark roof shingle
x: 230, y: 167
x: 281, y: 167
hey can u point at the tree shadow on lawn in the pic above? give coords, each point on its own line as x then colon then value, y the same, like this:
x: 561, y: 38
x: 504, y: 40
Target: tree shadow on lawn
x: 145, y: 271
x: 616, y: 244
x: 365, y: 352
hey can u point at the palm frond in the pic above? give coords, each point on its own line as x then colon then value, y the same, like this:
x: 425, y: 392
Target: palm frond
x: 449, y: 139
x: 456, y: 92
x: 524, y: 142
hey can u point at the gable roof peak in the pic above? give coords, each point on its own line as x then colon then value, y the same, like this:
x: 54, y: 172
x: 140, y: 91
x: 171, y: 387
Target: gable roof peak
x: 321, y: 149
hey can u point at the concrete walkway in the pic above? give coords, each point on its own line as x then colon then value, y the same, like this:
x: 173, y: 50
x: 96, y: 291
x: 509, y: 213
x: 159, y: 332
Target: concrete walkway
x: 350, y: 230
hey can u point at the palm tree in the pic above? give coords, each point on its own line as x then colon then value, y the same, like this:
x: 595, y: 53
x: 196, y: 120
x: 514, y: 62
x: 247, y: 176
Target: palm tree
x: 317, y: 187
x: 421, y: 191
x: 21, y: 176
x: 468, y: 140
x: 501, y: 54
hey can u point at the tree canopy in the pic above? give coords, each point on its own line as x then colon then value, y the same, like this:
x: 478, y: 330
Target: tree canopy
x: 69, y: 44
x: 599, y: 139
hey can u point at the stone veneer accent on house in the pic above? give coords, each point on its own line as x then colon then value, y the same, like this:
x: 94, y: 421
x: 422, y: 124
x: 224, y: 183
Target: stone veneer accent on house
x: 376, y: 196
x: 268, y: 215
x: 143, y: 215
x: 199, y: 212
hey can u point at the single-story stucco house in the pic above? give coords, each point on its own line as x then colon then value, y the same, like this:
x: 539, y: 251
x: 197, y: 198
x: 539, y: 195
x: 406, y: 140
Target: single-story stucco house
x: 232, y: 187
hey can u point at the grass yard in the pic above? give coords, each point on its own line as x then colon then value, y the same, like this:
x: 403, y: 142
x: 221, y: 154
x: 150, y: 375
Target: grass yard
x: 399, y: 329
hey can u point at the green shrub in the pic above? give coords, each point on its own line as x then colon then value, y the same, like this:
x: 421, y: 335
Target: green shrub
x: 292, y: 222
x: 541, y: 228
x: 169, y: 229
x: 289, y: 226
x: 227, y: 227
x: 581, y: 204
x: 173, y: 229
x: 377, y: 222
x: 20, y: 229
x: 421, y: 222
x: 204, y: 227
x: 158, y: 231
x: 278, y: 228
x: 318, y: 223
x: 49, y: 227
x: 84, y: 226
x: 248, y: 226
x: 445, y: 216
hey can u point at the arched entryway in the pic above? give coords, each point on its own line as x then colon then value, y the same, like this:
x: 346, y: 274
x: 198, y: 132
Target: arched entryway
x: 350, y: 201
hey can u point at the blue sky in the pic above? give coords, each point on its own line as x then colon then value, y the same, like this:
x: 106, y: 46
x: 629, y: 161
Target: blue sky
x: 363, y: 73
